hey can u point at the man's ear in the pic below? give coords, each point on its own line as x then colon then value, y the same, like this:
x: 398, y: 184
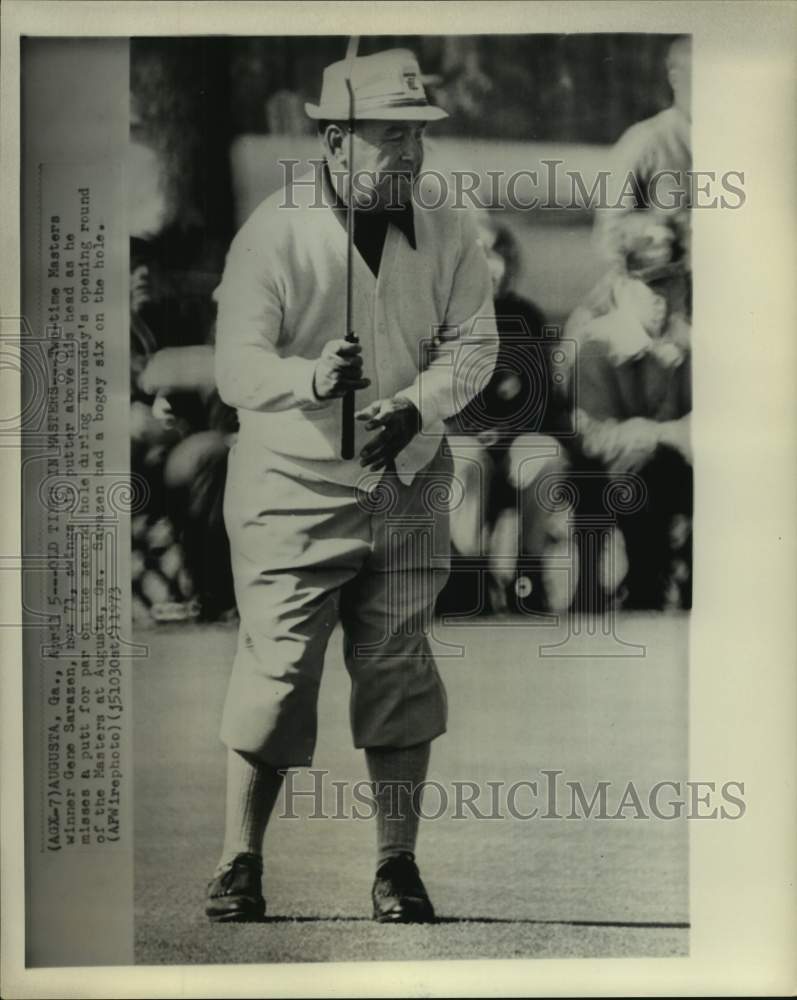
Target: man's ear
x: 334, y: 141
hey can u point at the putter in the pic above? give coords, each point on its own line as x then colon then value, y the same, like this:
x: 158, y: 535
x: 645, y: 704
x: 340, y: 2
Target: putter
x: 347, y: 427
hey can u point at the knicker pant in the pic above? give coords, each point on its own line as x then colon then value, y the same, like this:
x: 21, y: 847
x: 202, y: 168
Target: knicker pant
x: 307, y: 555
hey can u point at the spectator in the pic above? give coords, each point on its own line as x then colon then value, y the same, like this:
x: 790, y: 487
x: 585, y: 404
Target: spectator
x: 650, y: 166
x: 633, y: 381
x: 511, y: 420
x: 180, y: 439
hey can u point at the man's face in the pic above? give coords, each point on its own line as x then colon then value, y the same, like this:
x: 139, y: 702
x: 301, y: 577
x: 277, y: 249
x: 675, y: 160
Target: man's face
x: 388, y: 156
x: 680, y: 75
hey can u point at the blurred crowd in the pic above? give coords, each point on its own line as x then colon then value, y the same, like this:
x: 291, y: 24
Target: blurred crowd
x: 573, y: 465
x: 181, y: 433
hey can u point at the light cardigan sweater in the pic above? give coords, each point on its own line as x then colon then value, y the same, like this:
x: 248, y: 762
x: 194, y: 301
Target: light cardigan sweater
x: 426, y: 325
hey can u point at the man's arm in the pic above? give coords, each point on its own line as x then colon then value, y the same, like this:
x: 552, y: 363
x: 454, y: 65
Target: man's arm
x: 250, y: 373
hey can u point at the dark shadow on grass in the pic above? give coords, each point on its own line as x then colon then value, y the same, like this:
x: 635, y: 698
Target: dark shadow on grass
x: 641, y: 924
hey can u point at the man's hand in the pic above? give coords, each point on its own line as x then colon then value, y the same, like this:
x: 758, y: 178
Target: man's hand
x: 399, y: 422
x: 179, y: 369
x: 676, y: 434
x: 636, y: 441
x: 623, y: 446
x: 339, y: 369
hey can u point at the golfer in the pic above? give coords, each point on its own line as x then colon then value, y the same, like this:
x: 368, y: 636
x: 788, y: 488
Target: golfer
x: 317, y: 539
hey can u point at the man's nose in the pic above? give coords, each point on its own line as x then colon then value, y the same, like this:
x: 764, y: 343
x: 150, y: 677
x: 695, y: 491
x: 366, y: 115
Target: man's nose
x: 412, y: 151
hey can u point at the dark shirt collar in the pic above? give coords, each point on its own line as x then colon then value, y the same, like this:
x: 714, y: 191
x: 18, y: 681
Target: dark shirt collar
x: 402, y: 218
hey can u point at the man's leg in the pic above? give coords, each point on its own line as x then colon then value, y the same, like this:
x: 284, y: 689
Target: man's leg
x: 398, y: 707
x: 288, y: 568
x: 647, y: 533
x: 269, y: 723
x: 252, y: 790
x: 398, y: 894
x: 235, y: 893
x: 398, y: 702
x: 397, y: 776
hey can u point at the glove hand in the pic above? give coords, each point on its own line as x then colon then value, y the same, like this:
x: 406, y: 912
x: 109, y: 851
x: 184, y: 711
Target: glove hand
x: 398, y: 420
x: 339, y: 369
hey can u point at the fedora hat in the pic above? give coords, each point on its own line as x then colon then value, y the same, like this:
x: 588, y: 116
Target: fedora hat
x: 387, y: 86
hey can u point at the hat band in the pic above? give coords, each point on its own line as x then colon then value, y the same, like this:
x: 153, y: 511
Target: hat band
x: 390, y: 102
x: 365, y: 103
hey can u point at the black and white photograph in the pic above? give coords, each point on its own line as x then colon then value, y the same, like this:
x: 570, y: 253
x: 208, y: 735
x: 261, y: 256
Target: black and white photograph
x: 397, y: 565
x: 407, y: 484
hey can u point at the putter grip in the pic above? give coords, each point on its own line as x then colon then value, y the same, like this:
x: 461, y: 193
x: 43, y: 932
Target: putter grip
x: 347, y: 430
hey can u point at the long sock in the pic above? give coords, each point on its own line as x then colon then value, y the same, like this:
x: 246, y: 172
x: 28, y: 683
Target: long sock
x: 252, y: 790
x: 395, y: 776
